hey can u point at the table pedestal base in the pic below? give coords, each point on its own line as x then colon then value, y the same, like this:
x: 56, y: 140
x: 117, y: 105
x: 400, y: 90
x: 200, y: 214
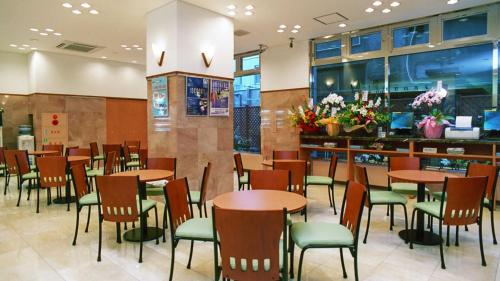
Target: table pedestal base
x: 62, y: 200
x: 427, y: 239
x: 134, y: 235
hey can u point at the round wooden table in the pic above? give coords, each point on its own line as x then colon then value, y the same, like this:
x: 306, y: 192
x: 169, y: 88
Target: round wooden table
x: 261, y: 200
x: 421, y: 178
x: 150, y: 233
x: 39, y: 153
x: 77, y: 159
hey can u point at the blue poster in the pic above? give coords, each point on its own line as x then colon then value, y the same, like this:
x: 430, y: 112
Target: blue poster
x: 197, y: 96
x: 160, y: 97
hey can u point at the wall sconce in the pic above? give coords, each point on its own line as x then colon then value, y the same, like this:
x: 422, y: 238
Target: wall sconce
x: 207, y: 55
x: 158, y: 53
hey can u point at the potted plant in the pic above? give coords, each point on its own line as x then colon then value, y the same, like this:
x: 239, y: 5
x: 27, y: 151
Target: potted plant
x: 306, y: 116
x: 434, y: 123
x: 363, y: 114
x: 332, y: 105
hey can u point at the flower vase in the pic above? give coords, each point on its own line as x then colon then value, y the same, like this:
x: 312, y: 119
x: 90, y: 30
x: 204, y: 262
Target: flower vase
x: 309, y: 130
x: 433, y: 132
x: 333, y: 129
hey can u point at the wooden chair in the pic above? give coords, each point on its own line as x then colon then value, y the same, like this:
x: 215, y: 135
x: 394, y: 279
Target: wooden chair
x: 122, y: 206
x: 269, y: 179
x: 379, y: 197
x: 134, y: 147
x: 298, y: 171
x: 3, y: 166
x: 250, y: 244
x: 117, y: 148
x: 143, y: 158
x: 328, y: 181
x: 108, y: 169
x: 84, y: 196
x: 52, y: 173
x: 460, y: 204
x: 404, y: 163
x: 285, y: 155
x: 54, y: 147
x: 199, y: 198
x: 94, y: 152
x: 241, y: 173
x: 328, y: 235
x: 68, y: 150
x: 182, y: 224
x: 20, y: 168
x: 129, y: 162
x: 81, y: 152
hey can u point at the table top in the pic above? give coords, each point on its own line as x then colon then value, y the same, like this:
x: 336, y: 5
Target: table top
x: 42, y: 152
x: 78, y: 158
x: 420, y: 176
x: 269, y: 163
x: 261, y: 200
x: 147, y: 175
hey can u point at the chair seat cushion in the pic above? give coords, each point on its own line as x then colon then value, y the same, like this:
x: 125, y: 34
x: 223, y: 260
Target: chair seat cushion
x: 244, y: 178
x: 195, y: 196
x: 406, y: 188
x: 255, y: 263
x: 196, y: 228
x: 320, y: 234
x: 29, y: 176
x: 95, y: 172
x: 430, y: 207
x: 33, y: 167
x: 98, y: 157
x: 88, y: 199
x: 134, y: 156
x: 2, y: 166
x: 146, y: 205
x: 319, y: 180
x: 155, y: 188
x: 386, y: 197
x: 437, y: 195
x: 132, y: 164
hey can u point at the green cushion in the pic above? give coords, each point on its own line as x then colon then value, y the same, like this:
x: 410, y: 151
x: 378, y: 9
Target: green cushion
x: 319, y: 180
x: 255, y: 263
x: 99, y: 157
x: 2, y: 166
x: 244, y: 178
x: 33, y: 167
x: 406, y: 188
x: 89, y: 199
x: 386, y: 197
x: 430, y: 207
x: 29, y: 176
x: 132, y: 164
x: 437, y: 195
x: 195, y: 196
x: 146, y: 205
x: 321, y: 234
x: 195, y: 228
x: 134, y: 156
x: 154, y: 189
x: 95, y: 172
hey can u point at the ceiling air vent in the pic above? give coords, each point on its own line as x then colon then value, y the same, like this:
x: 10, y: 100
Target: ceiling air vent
x: 77, y: 47
x: 241, y: 32
x: 331, y: 18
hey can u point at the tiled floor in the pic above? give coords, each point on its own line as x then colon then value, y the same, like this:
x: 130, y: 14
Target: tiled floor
x: 38, y: 247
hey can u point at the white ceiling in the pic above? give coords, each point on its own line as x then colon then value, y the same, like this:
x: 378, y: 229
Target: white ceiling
x: 123, y: 21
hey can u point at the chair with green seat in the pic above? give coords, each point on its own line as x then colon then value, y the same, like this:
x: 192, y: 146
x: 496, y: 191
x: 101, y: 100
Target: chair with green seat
x: 404, y: 163
x: 84, y: 196
x: 117, y: 148
x: 298, y: 180
x: 199, y: 198
x: 52, y: 173
x: 285, y: 155
x: 54, y: 147
x: 379, y: 197
x: 321, y: 235
x: 240, y: 171
x: 328, y: 181
x: 3, y: 167
x: 463, y: 206
x: 250, y: 244
x: 182, y: 224
x: 22, y: 170
x: 118, y: 203
x: 12, y: 170
x: 129, y: 162
x: 95, y: 156
x: 108, y: 168
x: 134, y: 147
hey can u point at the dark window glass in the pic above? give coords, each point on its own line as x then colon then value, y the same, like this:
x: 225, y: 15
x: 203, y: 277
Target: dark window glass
x: 250, y: 63
x: 247, y: 113
x: 366, y: 43
x: 410, y: 36
x: 327, y: 49
x: 465, y: 27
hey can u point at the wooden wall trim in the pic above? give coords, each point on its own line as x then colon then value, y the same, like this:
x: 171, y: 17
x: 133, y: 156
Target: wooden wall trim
x: 72, y: 95
x: 284, y: 90
x: 183, y: 73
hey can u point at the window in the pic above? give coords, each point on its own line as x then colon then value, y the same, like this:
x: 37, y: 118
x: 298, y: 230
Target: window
x: 366, y: 43
x: 250, y: 62
x: 327, y: 49
x: 410, y: 36
x: 465, y: 27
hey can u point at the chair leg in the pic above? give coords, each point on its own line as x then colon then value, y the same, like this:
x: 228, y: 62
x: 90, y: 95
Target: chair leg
x: 388, y: 212
x: 443, y: 266
x: 342, y: 262
x: 100, y: 238
x: 355, y: 256
x: 172, y: 260
x: 164, y: 222
x: 411, y: 228
x: 6, y: 183
x: 447, y: 236
x: 156, y: 222
x: 333, y: 200
x: 190, y: 254
x: 466, y: 228
x: 367, y: 224
x: 300, y: 264
x: 37, y: 200
x: 20, y: 187
x: 305, y: 214
x: 291, y: 249
x: 141, y: 221
x: 392, y: 217
x: 406, y: 222
x: 199, y: 209
x: 205, y: 205
x: 456, y: 236
x: 68, y: 194
x: 483, y: 260
x: 329, y: 195
x: 88, y: 219
x: 493, y: 225
x: 76, y: 226
x: 29, y: 191
x: 118, y: 233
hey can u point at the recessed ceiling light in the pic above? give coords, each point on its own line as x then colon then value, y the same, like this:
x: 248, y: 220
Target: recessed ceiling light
x: 33, y: 48
x: 297, y: 26
x: 294, y: 31
x: 280, y: 30
x: 249, y: 7
x: 67, y: 5
x: 43, y: 34
x: 124, y: 46
x: 135, y: 46
x: 25, y: 45
x: 103, y: 57
x: 231, y: 13
x: 360, y: 56
x: 395, y: 4
x: 57, y: 34
x: 327, y: 36
x: 386, y: 10
x: 139, y: 49
x: 76, y: 12
x: 369, y: 10
x: 13, y: 45
x: 431, y: 46
x: 231, y: 7
x: 49, y: 29
x: 128, y: 49
x: 377, y: 3
x: 21, y: 48
x: 34, y: 29
x: 94, y: 12
x: 85, y: 5
x: 282, y: 26
x: 248, y: 13
x: 452, y: 2
x: 134, y: 61
x: 342, y: 25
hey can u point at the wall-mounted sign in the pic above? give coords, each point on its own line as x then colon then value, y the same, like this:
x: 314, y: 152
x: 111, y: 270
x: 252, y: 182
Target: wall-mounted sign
x: 219, y: 98
x: 160, y: 97
x: 55, y: 128
x: 197, y: 96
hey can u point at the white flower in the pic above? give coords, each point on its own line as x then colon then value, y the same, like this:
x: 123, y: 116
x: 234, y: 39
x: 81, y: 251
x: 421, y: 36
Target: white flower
x: 378, y: 102
x: 356, y: 96
x: 301, y: 111
x: 310, y: 104
x: 317, y: 110
x: 334, y: 112
x: 363, y: 111
x: 370, y: 104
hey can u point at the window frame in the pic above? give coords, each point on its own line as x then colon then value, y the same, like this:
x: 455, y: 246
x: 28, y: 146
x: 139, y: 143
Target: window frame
x: 466, y: 13
x: 369, y: 54
x: 239, y: 63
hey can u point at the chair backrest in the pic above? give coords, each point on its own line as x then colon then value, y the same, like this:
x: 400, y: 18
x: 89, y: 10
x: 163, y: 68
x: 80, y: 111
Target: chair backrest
x: 177, y: 198
x: 134, y: 145
x: 109, y: 162
x: 117, y: 148
x: 163, y: 163
x: 22, y: 162
x: 285, y: 155
x: 11, y: 161
x: 250, y: 243
x: 118, y: 197
x: 143, y: 158
x: 204, y: 183
x: 483, y: 170
x: 54, y: 147
x: 239, y: 165
x: 2, y: 155
x: 51, y: 171
x: 361, y: 177
x: 332, y: 169
x: 464, y: 198
x: 94, y: 149
x: 79, y: 178
x: 298, y: 171
x: 80, y: 152
x: 269, y: 179
x: 126, y: 154
x: 69, y: 148
x: 352, y: 207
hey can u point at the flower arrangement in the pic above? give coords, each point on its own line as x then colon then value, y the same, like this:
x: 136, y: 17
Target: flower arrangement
x: 307, y: 116
x: 433, y: 123
x: 332, y: 104
x: 363, y: 113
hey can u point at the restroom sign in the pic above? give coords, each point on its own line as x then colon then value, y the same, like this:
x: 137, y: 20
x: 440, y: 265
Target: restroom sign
x: 55, y: 128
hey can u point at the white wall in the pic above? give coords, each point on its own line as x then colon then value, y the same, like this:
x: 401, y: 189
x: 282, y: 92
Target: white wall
x: 283, y: 67
x: 13, y: 73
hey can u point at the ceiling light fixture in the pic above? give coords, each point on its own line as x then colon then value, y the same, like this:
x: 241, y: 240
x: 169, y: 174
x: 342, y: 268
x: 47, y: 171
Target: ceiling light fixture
x: 103, y: 57
x: 327, y: 36
x: 33, y: 48
x: 21, y: 48
x: 57, y: 34
x: 76, y: 12
x: 135, y: 46
x: 139, y: 49
x: 13, y: 45
x: 342, y: 25
x: 94, y: 12
x: 34, y: 29
x: 43, y: 34
x: 297, y: 26
x: 377, y: 3
x: 124, y: 46
x: 248, y: 13
x: 128, y: 49
x: 249, y: 7
x: 85, y: 5
x: 25, y: 45
x: 452, y: 2
x: 231, y: 13
x: 280, y: 30
x: 67, y: 5
x: 395, y: 4
x: 282, y: 26
x: 134, y: 61
x: 369, y: 10
x: 231, y: 7
x: 49, y: 29
x: 294, y: 31
x: 386, y: 10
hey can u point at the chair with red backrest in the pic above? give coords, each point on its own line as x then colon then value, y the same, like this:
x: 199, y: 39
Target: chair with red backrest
x: 84, y: 197
x: 298, y: 172
x: 143, y: 158
x: 81, y: 152
x: 250, y: 244
x: 241, y: 173
x: 21, y: 168
x: 117, y: 148
x: 329, y: 235
x: 285, y: 155
x: 134, y: 147
x: 269, y: 179
x: 182, y: 224
x: 118, y: 203
x: 69, y: 148
x: 52, y: 173
x: 461, y: 204
x: 3, y: 167
x: 328, y: 181
x: 199, y: 198
x: 54, y: 147
x: 94, y: 151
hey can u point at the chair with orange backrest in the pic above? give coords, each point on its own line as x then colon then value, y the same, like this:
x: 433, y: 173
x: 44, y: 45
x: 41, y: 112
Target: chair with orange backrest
x: 118, y: 203
x: 199, y: 197
x: 54, y: 147
x: 52, y: 173
x: 298, y: 171
x: 241, y: 173
x: 134, y: 147
x: 69, y: 148
x: 329, y: 235
x: 94, y: 151
x: 117, y: 148
x: 81, y: 152
x: 3, y: 167
x: 328, y: 181
x: 18, y: 164
x: 269, y: 179
x: 285, y: 155
x: 182, y: 224
x: 143, y: 158
x: 84, y: 196
x: 250, y: 244
x: 461, y: 204
x: 379, y: 197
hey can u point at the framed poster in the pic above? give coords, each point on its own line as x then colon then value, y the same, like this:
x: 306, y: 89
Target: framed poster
x: 55, y: 128
x: 219, y: 98
x: 196, y: 96
x: 160, y: 97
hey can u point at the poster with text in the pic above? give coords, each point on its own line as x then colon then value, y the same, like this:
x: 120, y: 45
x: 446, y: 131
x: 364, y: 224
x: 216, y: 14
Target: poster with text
x: 55, y: 128
x: 219, y: 98
x: 160, y: 97
x: 196, y: 96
